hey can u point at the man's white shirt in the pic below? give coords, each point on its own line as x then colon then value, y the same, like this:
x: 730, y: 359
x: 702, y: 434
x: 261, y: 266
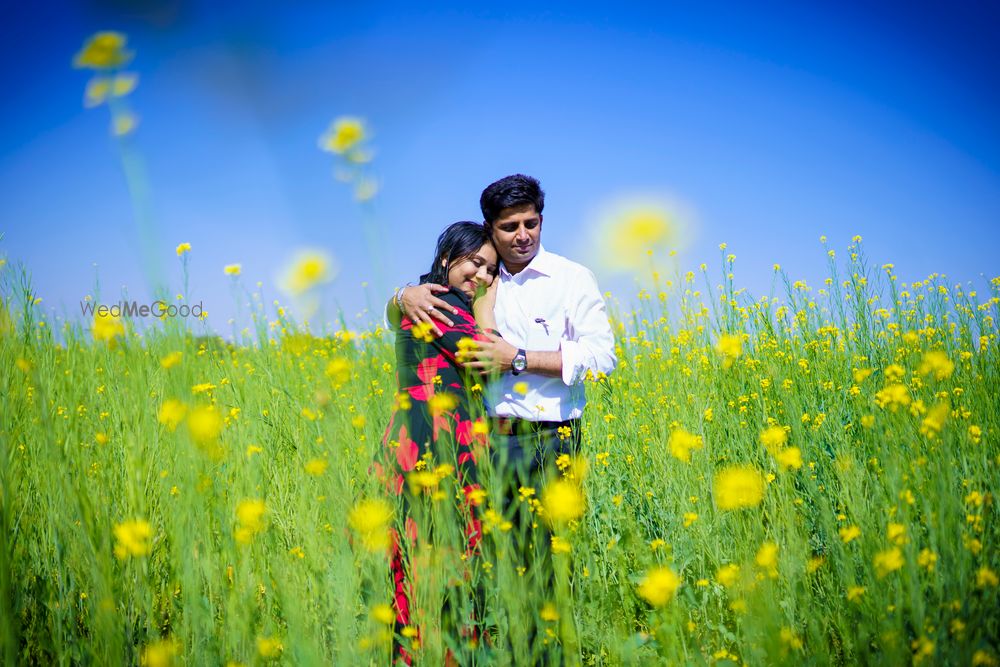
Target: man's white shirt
x: 552, y: 304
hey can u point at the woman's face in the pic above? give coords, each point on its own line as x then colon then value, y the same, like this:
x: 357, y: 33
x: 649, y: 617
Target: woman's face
x: 479, y: 268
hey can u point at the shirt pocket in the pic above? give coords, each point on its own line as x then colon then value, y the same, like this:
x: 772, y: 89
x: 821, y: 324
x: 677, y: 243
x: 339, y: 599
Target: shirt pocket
x: 547, y: 329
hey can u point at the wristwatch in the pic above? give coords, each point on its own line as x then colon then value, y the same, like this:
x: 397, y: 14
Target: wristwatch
x: 519, y: 363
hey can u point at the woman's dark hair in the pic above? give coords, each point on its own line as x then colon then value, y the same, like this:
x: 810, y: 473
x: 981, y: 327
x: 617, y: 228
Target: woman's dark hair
x: 458, y: 241
x: 510, y: 191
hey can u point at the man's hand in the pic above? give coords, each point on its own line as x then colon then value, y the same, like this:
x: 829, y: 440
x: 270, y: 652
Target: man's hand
x: 490, y: 356
x: 421, y: 306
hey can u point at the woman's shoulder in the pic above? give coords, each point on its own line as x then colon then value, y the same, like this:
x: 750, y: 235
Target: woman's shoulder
x: 457, y: 298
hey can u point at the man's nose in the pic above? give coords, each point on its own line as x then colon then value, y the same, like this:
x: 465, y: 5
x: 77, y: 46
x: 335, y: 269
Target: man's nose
x: 522, y: 233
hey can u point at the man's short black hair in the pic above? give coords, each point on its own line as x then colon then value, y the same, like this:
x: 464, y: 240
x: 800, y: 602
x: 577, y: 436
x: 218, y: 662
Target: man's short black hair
x: 510, y: 191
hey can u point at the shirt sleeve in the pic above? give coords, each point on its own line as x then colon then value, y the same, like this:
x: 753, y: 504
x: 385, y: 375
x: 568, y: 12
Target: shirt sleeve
x: 590, y: 344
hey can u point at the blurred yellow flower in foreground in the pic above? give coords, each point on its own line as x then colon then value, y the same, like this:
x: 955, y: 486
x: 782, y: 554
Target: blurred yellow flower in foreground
x: 730, y: 347
x: 123, y: 123
x: 888, y: 561
x: 183, y: 248
x: 269, y: 647
x: 773, y: 438
x: 938, y: 364
x: 681, y: 442
x: 986, y: 577
x: 767, y: 559
x: 232, y: 269
x: 563, y: 501
x: 308, y: 269
x: 343, y: 135
x: 659, y: 586
x: 205, y: 425
x: 316, y: 467
x: 132, y: 538
x: 107, y: 327
x: 728, y: 575
x: 632, y: 231
x: 172, y: 413
x: 100, y: 88
x: 103, y: 50
x: 339, y: 370
x: 370, y: 520
x: 737, y: 487
x: 159, y: 653
x: 790, y: 457
x: 383, y: 613
x: 849, y: 533
x: 168, y: 361
x: 441, y: 403
x: 250, y: 519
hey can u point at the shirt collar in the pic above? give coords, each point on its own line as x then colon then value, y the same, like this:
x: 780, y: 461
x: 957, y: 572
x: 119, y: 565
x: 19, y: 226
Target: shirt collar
x: 540, y: 263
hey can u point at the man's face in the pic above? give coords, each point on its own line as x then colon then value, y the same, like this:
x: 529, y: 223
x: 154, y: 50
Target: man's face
x: 517, y: 232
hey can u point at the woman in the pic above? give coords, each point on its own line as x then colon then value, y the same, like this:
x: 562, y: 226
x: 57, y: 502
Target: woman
x: 432, y: 433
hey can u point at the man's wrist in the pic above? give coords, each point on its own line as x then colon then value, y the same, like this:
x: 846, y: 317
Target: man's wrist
x: 519, y: 362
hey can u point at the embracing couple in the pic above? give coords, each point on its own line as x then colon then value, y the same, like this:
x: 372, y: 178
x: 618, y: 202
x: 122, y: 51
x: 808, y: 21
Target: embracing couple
x: 522, y: 327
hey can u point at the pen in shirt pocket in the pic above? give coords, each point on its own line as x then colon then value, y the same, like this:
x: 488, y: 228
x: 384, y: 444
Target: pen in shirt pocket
x: 545, y: 325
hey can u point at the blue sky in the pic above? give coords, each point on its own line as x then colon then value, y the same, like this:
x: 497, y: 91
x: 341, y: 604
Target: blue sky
x: 774, y: 124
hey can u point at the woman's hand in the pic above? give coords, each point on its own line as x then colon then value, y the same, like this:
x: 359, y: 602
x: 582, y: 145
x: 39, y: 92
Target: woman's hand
x: 422, y: 307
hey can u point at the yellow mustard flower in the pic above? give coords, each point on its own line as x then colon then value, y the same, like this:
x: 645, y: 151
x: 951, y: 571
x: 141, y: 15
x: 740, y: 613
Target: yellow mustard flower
x: 549, y: 613
x: 103, y: 50
x: 308, y: 269
x: 659, y: 586
x: 316, y: 467
x: 107, y: 327
x: 269, y: 648
x: 937, y: 364
x: 370, y: 520
x: 681, y: 442
x: 339, y: 370
x: 855, y: 593
x: 737, y: 487
x: 205, y: 424
x: 767, y: 558
x: 132, y: 538
x: 773, y: 438
x: 343, y: 135
x: 888, y: 561
x: 728, y: 575
x: 159, y: 653
x: 849, y: 533
x: 563, y: 501
x: 789, y: 458
x: 172, y: 413
x: 170, y: 360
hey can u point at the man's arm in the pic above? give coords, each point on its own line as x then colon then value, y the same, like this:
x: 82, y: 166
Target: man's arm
x: 494, y: 355
x: 420, y: 305
x: 591, y: 344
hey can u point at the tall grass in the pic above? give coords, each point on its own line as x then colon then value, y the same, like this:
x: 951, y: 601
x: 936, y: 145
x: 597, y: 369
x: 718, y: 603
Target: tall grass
x: 85, y: 448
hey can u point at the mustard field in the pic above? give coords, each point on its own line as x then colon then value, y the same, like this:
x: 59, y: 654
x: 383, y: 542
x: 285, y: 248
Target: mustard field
x: 804, y: 478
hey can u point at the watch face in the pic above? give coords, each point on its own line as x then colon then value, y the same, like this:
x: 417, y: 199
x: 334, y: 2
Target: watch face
x: 519, y: 363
